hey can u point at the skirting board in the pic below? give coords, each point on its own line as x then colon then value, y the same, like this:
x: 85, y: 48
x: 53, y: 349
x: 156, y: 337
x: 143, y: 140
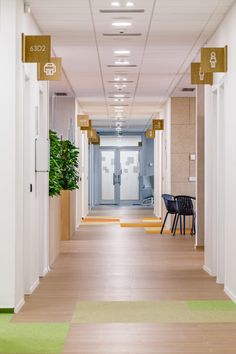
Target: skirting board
x: 33, y: 287
x: 19, y: 305
x: 231, y: 295
x: 208, y: 271
x: 45, y: 271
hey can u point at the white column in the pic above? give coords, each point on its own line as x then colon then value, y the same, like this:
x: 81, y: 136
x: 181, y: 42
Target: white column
x: 200, y: 222
x: 8, y: 177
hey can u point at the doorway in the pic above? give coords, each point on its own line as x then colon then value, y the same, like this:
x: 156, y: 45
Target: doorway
x: 119, y: 175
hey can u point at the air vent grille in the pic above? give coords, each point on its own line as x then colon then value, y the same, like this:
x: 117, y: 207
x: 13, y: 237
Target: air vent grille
x: 121, y: 66
x: 61, y: 94
x: 120, y: 82
x: 188, y: 89
x: 122, y: 34
x: 136, y: 11
x: 120, y: 105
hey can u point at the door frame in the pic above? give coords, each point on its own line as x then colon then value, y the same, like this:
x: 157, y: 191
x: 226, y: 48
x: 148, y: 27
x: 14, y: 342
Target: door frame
x: 117, y: 151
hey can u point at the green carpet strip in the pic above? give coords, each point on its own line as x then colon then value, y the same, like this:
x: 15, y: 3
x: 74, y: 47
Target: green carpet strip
x: 7, y: 310
x: 31, y: 338
x: 155, y: 312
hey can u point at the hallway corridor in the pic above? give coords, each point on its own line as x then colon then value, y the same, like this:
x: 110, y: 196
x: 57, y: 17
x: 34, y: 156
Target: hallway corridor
x: 112, y: 264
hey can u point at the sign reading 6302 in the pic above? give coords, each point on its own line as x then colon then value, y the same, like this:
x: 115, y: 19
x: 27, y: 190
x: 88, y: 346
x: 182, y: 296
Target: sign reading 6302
x: 36, y: 49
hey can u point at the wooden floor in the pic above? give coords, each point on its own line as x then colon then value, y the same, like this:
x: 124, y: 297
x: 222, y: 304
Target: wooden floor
x: 112, y: 263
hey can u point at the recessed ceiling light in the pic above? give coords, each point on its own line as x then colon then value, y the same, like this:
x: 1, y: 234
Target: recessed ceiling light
x: 129, y: 4
x: 120, y: 79
x: 122, y: 52
x: 115, y: 3
x: 121, y: 24
x: 122, y: 62
x: 120, y: 86
x: 119, y: 95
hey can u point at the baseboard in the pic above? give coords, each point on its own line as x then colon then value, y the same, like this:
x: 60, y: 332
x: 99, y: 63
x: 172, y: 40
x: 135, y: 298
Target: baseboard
x: 45, y: 271
x: 19, y: 305
x: 33, y: 287
x: 231, y: 295
x: 208, y: 271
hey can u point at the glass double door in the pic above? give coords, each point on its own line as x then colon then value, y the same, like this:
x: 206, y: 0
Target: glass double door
x: 120, y: 176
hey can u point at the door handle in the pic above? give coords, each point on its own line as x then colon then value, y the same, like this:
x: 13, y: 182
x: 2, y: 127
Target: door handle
x: 114, y: 179
x: 119, y: 179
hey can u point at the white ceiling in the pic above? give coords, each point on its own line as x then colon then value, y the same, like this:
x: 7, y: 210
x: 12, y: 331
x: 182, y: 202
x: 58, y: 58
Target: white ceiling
x: 171, y: 34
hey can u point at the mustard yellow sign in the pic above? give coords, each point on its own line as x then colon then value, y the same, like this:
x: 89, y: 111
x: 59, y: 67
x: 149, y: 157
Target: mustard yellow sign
x: 199, y: 77
x: 214, y: 60
x: 50, y: 71
x: 150, y: 134
x: 96, y: 141
x: 87, y: 127
x: 36, y: 49
x: 92, y: 134
x: 158, y: 124
x: 83, y: 121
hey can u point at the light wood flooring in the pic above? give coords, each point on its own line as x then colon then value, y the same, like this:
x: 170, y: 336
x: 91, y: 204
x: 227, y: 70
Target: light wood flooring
x: 111, y: 263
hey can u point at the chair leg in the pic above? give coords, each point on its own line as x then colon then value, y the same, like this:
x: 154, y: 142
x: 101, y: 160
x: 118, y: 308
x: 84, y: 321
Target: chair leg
x: 176, y: 223
x: 172, y: 229
x: 163, y: 225
x: 193, y: 231
x: 180, y: 224
x: 184, y: 223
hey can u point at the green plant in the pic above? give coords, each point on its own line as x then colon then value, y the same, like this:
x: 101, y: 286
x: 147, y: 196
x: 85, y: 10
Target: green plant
x: 55, y: 174
x: 70, y: 175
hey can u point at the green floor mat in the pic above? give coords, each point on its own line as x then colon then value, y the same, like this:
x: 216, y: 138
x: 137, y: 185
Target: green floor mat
x: 5, y: 318
x: 32, y: 338
x: 155, y: 312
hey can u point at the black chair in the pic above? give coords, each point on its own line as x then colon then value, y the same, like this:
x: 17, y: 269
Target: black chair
x: 184, y: 208
x: 171, y: 207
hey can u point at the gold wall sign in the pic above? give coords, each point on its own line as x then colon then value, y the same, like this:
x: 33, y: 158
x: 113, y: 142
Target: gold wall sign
x: 158, y: 124
x: 96, y: 141
x: 92, y: 134
x: 36, y: 49
x: 198, y: 77
x: 214, y: 60
x: 83, y: 121
x: 150, y: 134
x: 50, y: 71
x: 88, y: 126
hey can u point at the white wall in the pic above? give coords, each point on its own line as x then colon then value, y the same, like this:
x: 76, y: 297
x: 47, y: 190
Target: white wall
x: 158, y: 165
x: 166, y: 157
x: 8, y: 212
x: 20, y: 261
x: 221, y: 247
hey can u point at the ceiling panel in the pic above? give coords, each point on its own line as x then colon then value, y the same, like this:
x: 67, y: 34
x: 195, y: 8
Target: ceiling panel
x: 171, y: 33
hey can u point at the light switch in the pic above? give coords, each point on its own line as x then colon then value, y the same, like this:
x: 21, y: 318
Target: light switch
x: 192, y: 179
x: 193, y: 157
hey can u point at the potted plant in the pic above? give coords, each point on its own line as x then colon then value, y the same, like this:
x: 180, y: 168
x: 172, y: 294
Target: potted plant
x: 69, y: 182
x: 55, y: 174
